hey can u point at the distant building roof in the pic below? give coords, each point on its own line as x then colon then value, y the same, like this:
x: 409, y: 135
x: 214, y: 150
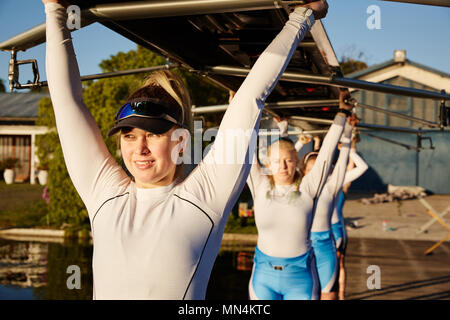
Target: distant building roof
x: 401, y: 67
x: 398, y: 60
x: 392, y: 62
x: 20, y: 105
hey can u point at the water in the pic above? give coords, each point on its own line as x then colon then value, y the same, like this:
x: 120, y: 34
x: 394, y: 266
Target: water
x: 38, y: 270
x: 31, y: 270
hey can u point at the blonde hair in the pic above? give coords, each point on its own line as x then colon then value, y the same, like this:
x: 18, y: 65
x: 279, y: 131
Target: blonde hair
x: 175, y: 87
x: 306, y: 158
x: 288, y: 145
x: 169, y: 88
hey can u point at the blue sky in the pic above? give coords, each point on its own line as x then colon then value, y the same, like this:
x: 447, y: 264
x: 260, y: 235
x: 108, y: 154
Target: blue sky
x: 423, y: 31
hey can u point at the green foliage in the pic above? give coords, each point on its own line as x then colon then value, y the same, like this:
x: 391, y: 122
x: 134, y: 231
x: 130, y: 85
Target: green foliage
x: 240, y: 225
x: 28, y: 215
x: 9, y: 163
x: 352, y: 60
x: 351, y: 65
x: 21, y: 205
x: 103, y: 98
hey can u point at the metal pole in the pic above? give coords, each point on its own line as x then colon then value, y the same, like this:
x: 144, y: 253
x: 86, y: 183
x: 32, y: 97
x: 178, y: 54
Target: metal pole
x: 386, y: 128
x: 105, y: 75
x: 337, y: 82
x: 225, y: 41
x: 210, y: 109
x: 144, y: 9
x: 309, y: 119
x: 419, y: 146
x: 291, y: 133
x: 127, y: 72
x: 274, y: 105
x: 443, y: 114
x: 396, y: 114
x: 173, y: 8
x: 407, y: 146
x: 302, y: 104
x: 360, y: 125
x: 388, y: 88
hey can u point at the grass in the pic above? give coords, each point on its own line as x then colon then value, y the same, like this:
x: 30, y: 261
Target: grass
x: 236, y: 225
x: 21, y: 205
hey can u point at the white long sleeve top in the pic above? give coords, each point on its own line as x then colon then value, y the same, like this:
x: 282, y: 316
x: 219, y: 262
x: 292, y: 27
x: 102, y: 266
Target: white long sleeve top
x: 284, y: 220
x: 327, y: 198
x: 158, y: 243
x: 350, y: 176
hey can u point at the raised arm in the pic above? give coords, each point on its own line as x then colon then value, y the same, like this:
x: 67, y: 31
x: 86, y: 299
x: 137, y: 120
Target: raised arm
x: 360, y: 167
x: 218, y: 179
x: 336, y: 179
x: 256, y: 175
x: 302, y: 140
x: 314, y: 181
x: 84, y: 150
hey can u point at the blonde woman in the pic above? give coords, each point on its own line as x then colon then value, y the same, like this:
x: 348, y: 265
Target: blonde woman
x: 284, y: 202
x: 156, y: 235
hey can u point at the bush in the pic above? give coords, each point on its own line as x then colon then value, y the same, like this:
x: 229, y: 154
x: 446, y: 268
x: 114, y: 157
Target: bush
x: 9, y: 163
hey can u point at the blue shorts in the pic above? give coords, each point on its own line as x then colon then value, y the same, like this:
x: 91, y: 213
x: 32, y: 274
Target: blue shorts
x: 340, y: 236
x: 275, y: 278
x: 326, y: 260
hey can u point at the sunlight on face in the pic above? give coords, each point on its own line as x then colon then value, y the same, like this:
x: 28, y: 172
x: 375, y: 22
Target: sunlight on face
x: 147, y: 157
x: 283, y: 164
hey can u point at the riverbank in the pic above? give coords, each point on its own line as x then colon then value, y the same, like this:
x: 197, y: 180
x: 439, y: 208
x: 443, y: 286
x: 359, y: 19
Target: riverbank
x: 403, y: 221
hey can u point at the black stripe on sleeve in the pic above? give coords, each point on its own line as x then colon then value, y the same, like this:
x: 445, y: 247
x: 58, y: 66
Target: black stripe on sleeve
x: 120, y: 195
x: 207, y: 239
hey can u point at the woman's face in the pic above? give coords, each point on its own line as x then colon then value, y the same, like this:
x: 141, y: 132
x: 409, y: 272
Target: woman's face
x: 309, y: 165
x: 148, y: 157
x: 283, y: 164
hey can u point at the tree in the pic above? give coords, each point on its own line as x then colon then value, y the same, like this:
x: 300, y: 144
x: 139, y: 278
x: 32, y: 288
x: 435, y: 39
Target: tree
x: 352, y: 60
x: 349, y: 66
x: 102, y: 98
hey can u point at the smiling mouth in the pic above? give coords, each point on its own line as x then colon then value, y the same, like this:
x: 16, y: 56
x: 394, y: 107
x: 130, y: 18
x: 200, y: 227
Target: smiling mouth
x: 145, y: 164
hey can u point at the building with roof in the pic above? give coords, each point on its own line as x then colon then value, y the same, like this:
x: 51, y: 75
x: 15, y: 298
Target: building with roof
x: 18, y: 130
x: 419, y: 157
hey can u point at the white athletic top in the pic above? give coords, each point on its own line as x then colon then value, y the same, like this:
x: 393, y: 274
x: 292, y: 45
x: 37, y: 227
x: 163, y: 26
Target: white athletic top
x: 327, y: 198
x: 157, y: 243
x: 350, y: 176
x: 284, y: 220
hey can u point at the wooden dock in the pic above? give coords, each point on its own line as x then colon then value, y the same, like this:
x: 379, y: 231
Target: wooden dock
x: 406, y: 273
